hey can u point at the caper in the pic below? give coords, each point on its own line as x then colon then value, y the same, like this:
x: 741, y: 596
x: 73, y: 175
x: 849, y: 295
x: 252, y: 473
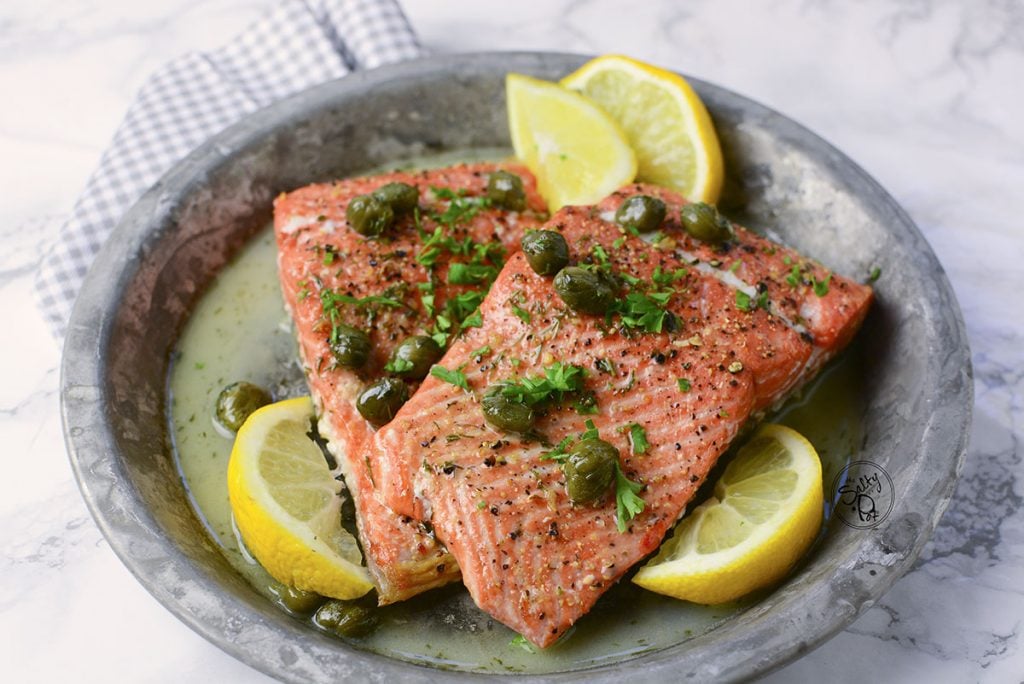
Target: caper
x: 238, y: 401
x: 379, y: 402
x: 642, y: 213
x: 546, y: 251
x: 583, y: 290
x: 296, y: 600
x: 347, y: 618
x: 506, y: 413
x: 351, y: 346
x: 369, y: 216
x: 505, y: 190
x: 401, y: 197
x: 589, y: 469
x: 703, y: 222
x: 420, y: 351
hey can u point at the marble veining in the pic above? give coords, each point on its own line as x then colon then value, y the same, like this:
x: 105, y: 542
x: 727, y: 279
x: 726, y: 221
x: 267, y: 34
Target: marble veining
x: 925, y: 94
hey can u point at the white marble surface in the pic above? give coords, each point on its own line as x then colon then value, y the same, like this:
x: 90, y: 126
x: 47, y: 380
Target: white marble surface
x: 928, y: 95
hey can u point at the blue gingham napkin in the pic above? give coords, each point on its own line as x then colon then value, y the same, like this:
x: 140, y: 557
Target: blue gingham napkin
x: 298, y: 44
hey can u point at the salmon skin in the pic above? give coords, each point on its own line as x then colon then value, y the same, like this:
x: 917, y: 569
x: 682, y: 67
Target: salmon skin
x: 330, y: 275
x: 670, y: 402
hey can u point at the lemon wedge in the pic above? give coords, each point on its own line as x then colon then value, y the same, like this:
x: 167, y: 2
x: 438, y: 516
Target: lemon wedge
x: 577, y: 152
x: 765, y: 512
x: 287, y: 507
x: 666, y: 123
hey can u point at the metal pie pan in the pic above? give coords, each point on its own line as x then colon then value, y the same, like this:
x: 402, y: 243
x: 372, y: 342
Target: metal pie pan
x: 170, y: 245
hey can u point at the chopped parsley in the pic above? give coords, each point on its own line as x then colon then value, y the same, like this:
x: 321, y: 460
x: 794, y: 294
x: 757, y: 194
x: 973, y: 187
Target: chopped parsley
x: 821, y: 286
x: 745, y: 302
x: 558, y: 380
x: 519, y: 641
x: 667, y: 279
x: 397, y: 365
x: 471, y: 274
x: 794, y: 276
x: 638, y: 439
x: 627, y: 504
x: 684, y: 384
x: 520, y: 312
x: 481, y: 351
x: 644, y: 311
x: 454, y: 377
x: 591, y: 431
x: 460, y: 208
x: 875, y: 274
x: 474, y: 320
x: 559, y: 453
x: 332, y: 301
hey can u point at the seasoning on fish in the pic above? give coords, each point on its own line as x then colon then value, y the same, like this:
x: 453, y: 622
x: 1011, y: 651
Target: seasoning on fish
x: 680, y: 356
x: 356, y: 292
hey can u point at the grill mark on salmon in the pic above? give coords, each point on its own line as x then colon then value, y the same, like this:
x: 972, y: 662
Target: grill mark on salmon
x: 529, y: 557
x: 317, y: 250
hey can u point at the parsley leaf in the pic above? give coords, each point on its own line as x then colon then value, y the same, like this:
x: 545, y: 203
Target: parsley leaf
x: 644, y: 311
x: 638, y: 439
x: 666, y: 279
x: 455, y: 377
x: 743, y: 301
x: 875, y: 274
x: 481, y: 351
x: 684, y: 384
x: 471, y: 274
x: 474, y: 320
x: 460, y: 208
x: 627, y: 504
x: 821, y: 286
x: 559, y: 453
x: 519, y: 641
x: 558, y: 380
x: 794, y: 276
x: 591, y: 432
x: 397, y: 365
x: 520, y: 312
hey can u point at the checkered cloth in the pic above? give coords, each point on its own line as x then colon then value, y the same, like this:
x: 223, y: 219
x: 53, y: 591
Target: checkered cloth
x: 299, y: 44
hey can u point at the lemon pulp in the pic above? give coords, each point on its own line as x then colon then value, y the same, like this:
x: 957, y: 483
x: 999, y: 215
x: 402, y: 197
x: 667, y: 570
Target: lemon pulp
x: 577, y: 152
x: 286, y: 504
x: 766, y: 510
x: 664, y: 120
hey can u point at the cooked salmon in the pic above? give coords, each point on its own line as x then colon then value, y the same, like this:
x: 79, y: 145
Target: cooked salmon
x: 529, y: 556
x: 330, y: 274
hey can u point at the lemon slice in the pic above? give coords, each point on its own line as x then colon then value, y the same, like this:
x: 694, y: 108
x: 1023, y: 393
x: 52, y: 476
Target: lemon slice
x: 578, y: 154
x: 666, y: 123
x: 287, y: 507
x: 766, y: 510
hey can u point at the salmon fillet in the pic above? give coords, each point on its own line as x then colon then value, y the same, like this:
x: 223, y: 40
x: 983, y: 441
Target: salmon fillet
x: 329, y: 273
x: 529, y: 557
x: 825, y: 307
